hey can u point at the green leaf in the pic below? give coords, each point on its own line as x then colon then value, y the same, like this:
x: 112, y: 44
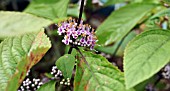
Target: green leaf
x: 103, y: 76
x: 112, y: 2
x: 50, y: 86
x: 18, y: 55
x: 16, y: 23
x: 120, y: 22
x: 74, y: 11
x: 145, y: 1
x: 50, y: 9
x: 145, y: 55
x: 112, y: 49
x: 66, y: 65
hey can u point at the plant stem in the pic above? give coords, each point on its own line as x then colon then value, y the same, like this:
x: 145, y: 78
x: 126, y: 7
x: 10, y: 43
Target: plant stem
x: 84, y: 59
x: 82, y: 55
x: 81, y: 12
x: 79, y: 20
x: 70, y: 50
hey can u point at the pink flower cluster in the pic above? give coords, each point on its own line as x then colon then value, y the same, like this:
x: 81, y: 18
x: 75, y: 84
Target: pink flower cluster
x: 82, y: 35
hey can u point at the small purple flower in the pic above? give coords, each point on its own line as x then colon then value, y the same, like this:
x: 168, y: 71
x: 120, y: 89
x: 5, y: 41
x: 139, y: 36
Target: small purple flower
x: 88, y: 43
x: 82, y: 35
x: 69, y: 32
x: 90, y: 38
x: 66, y: 40
x: 82, y: 40
x: 78, y: 32
x: 65, y: 25
x: 92, y: 45
x: 74, y: 34
x: 83, y: 29
x: 61, y: 30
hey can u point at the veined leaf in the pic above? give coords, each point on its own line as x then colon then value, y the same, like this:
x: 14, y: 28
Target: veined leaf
x: 103, y: 76
x: 66, y: 65
x: 145, y: 55
x: 18, y: 55
x: 49, y: 9
x: 50, y: 86
x: 120, y: 22
x: 16, y: 23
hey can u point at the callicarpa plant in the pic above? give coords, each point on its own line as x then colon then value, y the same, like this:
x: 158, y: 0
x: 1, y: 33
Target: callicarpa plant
x: 84, y: 45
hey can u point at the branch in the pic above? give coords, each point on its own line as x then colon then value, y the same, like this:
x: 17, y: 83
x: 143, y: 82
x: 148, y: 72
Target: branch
x: 79, y: 20
x: 91, y: 71
x: 81, y: 12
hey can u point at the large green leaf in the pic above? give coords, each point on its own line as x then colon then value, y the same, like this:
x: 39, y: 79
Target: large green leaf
x: 50, y: 86
x: 18, y: 55
x: 103, y: 76
x: 16, y: 23
x: 50, y: 9
x: 145, y: 55
x: 146, y: 1
x: 112, y: 2
x: 120, y: 22
x: 66, y: 65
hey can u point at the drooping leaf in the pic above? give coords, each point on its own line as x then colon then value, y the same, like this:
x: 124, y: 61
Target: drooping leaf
x: 16, y: 23
x: 120, y: 22
x: 66, y: 64
x: 50, y: 9
x: 101, y: 76
x: 18, y: 55
x: 112, y: 49
x: 145, y: 55
x: 50, y: 86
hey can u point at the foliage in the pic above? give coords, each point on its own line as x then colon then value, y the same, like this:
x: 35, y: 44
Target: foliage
x: 100, y: 76
x: 138, y: 33
x: 50, y: 86
x: 151, y: 55
x: 124, y: 20
x: 18, y: 55
x: 49, y: 9
x: 66, y: 64
x: 16, y: 23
